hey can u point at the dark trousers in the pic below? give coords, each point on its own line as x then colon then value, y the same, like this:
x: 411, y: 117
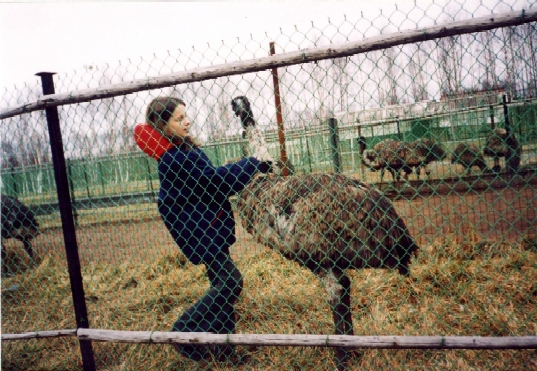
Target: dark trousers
x: 215, y: 311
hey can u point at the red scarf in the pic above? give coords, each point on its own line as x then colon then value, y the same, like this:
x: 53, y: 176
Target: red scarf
x: 151, y: 141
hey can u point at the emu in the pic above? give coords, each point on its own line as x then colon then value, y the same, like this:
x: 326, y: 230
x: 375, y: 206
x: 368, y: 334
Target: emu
x: 327, y: 223
x: 501, y: 143
x: 388, y: 155
x: 396, y: 156
x: 18, y: 222
x: 423, y: 152
x: 468, y: 155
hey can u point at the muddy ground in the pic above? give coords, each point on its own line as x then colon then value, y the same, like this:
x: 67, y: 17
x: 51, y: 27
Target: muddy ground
x: 504, y: 210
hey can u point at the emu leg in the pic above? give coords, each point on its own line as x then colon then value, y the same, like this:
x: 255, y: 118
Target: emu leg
x: 4, y: 256
x: 394, y: 176
x: 338, y: 286
x: 342, y: 308
x: 497, y: 168
x: 28, y: 249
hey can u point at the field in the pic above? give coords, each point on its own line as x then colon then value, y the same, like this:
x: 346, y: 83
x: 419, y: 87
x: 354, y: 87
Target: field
x: 475, y: 274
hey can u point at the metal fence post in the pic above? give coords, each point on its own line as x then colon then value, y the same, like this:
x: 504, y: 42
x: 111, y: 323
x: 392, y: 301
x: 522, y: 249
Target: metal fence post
x: 101, y: 176
x: 13, y: 178
x: 88, y: 192
x: 69, y: 167
x: 68, y: 226
x: 334, y: 141
x: 506, y: 114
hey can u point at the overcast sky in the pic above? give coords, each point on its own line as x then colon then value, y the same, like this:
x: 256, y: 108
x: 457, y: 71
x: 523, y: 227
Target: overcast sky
x: 65, y: 36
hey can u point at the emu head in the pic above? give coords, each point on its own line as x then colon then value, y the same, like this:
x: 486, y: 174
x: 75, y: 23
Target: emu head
x: 256, y: 145
x: 370, y: 160
x: 370, y: 155
x: 241, y: 107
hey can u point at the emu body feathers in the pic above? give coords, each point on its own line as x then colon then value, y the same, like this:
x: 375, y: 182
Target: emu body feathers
x: 328, y: 220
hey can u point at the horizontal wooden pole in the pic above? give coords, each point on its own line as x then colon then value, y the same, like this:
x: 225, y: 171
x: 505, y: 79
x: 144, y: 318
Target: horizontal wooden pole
x: 39, y: 335
x: 345, y: 341
x: 278, y: 60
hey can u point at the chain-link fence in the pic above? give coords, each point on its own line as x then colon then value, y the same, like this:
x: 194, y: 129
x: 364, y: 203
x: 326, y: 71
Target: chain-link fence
x: 444, y: 125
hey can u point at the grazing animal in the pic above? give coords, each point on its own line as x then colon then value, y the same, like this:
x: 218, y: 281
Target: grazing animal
x: 501, y: 143
x: 325, y: 222
x: 388, y: 155
x: 423, y: 152
x: 397, y: 157
x: 19, y: 222
x: 468, y: 155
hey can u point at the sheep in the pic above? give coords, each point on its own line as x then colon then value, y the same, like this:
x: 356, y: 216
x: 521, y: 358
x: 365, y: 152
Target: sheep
x: 19, y: 222
x: 468, y: 155
x: 327, y: 223
x: 397, y: 157
x: 501, y: 143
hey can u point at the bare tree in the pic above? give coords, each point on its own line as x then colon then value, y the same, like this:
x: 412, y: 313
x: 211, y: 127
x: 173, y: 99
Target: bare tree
x: 528, y: 52
x: 532, y: 44
x: 342, y: 79
x: 358, y: 85
x: 378, y: 77
x: 488, y: 57
x: 390, y: 78
x: 449, y: 54
x: 416, y: 66
x: 317, y: 87
x: 509, y: 58
x: 208, y: 112
x: 9, y: 154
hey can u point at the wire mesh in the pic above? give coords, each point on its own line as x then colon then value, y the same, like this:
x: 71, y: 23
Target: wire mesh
x: 446, y: 129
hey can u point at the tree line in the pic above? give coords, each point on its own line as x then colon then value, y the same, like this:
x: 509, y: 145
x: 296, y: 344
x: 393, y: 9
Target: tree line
x: 310, y: 92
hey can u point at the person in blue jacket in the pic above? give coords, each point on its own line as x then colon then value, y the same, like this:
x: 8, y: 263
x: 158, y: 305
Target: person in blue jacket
x: 194, y: 205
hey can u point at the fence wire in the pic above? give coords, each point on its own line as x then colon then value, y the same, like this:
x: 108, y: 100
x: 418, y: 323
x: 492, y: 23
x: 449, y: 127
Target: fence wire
x: 446, y: 129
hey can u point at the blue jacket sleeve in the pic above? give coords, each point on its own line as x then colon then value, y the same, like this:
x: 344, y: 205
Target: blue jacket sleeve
x: 193, y: 174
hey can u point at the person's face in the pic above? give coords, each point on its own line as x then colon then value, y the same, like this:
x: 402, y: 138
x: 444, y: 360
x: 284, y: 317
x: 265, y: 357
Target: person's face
x: 178, y: 124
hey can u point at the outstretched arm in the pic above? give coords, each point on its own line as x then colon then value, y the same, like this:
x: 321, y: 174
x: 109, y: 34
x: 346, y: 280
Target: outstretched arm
x: 202, y: 179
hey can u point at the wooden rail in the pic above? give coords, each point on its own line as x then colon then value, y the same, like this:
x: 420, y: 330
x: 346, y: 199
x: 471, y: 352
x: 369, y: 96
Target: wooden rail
x: 346, y: 341
x: 278, y: 60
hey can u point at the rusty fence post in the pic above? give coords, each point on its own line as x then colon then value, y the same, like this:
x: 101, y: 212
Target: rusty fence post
x: 279, y: 118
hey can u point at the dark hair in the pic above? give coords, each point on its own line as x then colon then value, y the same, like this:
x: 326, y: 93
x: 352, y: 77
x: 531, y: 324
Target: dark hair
x: 158, y: 114
x: 160, y: 110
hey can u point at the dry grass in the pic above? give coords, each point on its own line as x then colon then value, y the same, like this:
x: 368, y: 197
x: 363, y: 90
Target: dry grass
x: 94, y: 216
x: 477, y: 288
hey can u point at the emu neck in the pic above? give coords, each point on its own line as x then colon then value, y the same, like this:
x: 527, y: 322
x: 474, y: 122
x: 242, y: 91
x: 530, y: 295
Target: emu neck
x: 247, y: 120
x: 256, y: 143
